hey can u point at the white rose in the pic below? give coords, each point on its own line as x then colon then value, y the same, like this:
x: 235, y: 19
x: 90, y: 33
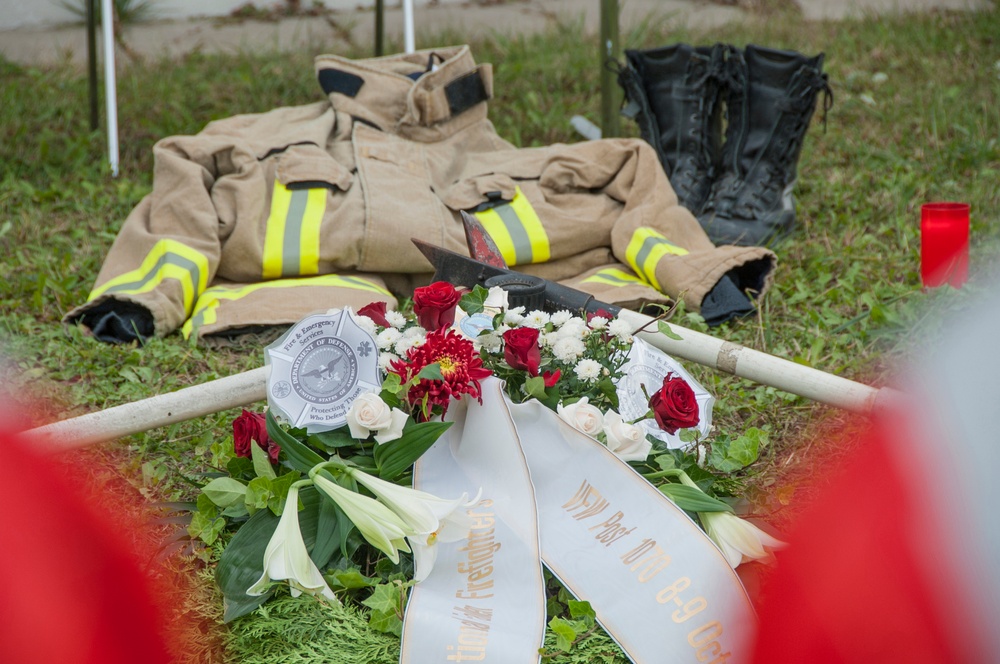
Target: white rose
x: 497, y: 299
x: 369, y: 413
x: 627, y: 441
x: 582, y: 416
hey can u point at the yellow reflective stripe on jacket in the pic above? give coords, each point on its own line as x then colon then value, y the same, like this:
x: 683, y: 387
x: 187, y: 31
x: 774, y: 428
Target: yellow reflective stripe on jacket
x: 645, y: 250
x: 205, y: 311
x: 517, y: 231
x: 168, y: 259
x: 613, y: 276
x: 291, y: 237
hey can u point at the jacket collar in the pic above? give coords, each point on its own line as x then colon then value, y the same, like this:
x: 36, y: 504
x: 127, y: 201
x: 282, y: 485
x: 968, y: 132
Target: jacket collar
x: 403, y: 93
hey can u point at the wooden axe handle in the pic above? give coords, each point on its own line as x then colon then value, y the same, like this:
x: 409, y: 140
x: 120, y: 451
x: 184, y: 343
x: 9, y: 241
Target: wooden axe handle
x: 249, y: 387
x: 763, y: 368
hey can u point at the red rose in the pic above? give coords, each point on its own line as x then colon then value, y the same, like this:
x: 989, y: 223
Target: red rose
x: 375, y: 311
x: 551, y: 377
x: 250, y: 427
x: 520, y: 349
x: 674, y: 405
x: 435, y: 305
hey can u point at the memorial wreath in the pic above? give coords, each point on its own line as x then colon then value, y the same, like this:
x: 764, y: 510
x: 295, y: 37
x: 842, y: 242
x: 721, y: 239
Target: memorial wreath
x: 406, y: 482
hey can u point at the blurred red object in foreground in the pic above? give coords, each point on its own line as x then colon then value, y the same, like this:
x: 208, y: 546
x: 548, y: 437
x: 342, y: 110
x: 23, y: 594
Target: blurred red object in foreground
x: 944, y: 244
x: 73, y: 592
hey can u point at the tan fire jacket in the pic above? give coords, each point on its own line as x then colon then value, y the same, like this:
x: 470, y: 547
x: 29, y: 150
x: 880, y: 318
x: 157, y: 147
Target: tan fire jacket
x: 261, y: 219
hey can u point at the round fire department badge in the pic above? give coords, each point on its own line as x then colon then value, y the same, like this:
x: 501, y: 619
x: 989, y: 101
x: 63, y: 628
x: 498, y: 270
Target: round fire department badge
x: 318, y: 368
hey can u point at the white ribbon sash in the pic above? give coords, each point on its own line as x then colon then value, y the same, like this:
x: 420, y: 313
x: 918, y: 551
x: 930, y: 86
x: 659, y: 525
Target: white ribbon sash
x: 658, y: 585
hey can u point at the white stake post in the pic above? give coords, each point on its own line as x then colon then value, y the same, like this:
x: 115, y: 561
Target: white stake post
x: 409, y: 42
x: 110, y: 88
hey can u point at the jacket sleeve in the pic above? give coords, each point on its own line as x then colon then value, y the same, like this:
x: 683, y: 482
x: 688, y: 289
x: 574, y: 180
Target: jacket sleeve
x: 168, y: 249
x: 664, y: 244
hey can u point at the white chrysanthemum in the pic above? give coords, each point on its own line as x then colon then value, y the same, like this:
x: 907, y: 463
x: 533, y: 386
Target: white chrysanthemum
x: 568, y: 349
x: 513, y: 316
x: 547, y: 339
x: 415, y: 331
x: 365, y: 323
x: 598, y: 323
x: 559, y: 318
x: 502, y: 328
x: 575, y: 328
x: 406, y: 343
x: 588, y: 370
x: 396, y: 319
x: 384, y: 359
x: 387, y: 338
x: 621, y: 329
x: 536, y: 319
x: 491, y: 342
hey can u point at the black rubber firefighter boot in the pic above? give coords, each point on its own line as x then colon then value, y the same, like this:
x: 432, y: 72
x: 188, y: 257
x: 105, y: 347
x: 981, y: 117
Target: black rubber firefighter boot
x: 673, y: 95
x: 770, y: 98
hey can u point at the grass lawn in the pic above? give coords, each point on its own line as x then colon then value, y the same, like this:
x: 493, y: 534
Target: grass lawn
x: 916, y: 118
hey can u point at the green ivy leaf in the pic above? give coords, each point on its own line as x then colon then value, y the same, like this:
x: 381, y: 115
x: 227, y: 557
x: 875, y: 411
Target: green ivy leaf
x: 728, y: 456
x: 349, y: 579
x: 240, y: 467
x: 472, y: 301
x: 385, y: 603
x: 224, y: 491
x: 258, y: 494
x: 581, y: 610
x: 430, y: 372
x: 332, y: 439
x: 565, y: 632
x: 279, y: 491
x: 535, y: 387
x: 664, y: 329
x: 261, y: 462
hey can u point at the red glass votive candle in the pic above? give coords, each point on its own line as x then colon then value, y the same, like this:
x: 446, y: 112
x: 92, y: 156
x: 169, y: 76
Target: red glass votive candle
x: 944, y: 244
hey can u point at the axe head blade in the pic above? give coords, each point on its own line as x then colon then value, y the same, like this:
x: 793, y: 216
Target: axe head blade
x: 481, y: 245
x: 455, y: 268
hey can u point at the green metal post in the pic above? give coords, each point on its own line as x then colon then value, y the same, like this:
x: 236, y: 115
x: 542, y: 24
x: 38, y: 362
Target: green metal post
x: 610, y: 94
x: 379, y: 28
x: 92, y: 61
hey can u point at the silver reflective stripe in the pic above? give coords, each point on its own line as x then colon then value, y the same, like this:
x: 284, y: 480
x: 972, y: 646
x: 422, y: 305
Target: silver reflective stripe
x: 290, y: 254
x: 518, y: 234
x: 166, y: 259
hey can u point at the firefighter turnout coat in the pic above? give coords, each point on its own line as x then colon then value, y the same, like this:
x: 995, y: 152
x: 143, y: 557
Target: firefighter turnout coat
x: 261, y: 219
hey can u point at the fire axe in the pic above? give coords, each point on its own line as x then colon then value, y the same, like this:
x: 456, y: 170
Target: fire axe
x: 486, y: 268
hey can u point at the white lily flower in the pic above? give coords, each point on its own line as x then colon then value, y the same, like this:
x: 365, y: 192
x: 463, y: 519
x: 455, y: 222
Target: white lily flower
x: 420, y: 511
x: 286, y: 558
x: 627, y: 441
x: 740, y: 540
x: 431, y: 518
x: 376, y: 522
x: 452, y: 528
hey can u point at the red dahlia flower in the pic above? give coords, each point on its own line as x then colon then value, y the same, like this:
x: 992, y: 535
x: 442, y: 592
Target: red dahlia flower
x: 461, y: 369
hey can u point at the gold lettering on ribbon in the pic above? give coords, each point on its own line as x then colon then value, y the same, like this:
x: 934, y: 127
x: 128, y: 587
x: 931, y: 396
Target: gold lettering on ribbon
x: 647, y: 559
x: 477, y: 568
